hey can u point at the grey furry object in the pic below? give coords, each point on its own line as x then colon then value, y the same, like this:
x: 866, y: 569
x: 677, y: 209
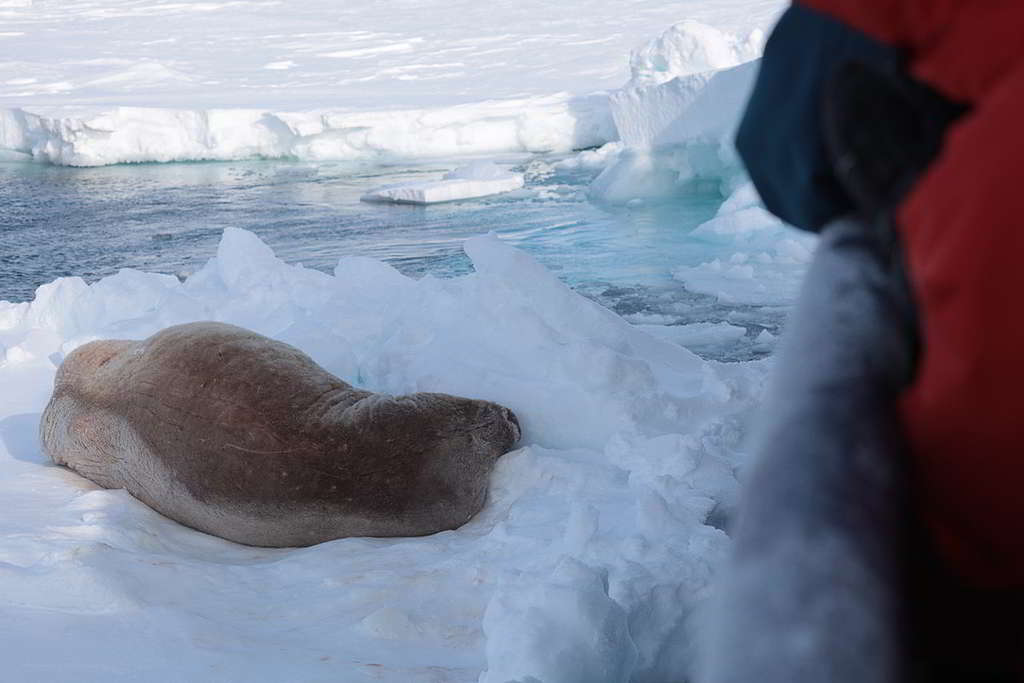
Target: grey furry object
x: 814, y: 589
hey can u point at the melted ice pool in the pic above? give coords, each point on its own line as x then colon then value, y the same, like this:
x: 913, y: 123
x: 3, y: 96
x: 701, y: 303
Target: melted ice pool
x: 168, y: 218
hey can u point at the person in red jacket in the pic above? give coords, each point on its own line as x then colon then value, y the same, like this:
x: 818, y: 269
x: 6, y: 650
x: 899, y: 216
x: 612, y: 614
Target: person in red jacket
x: 962, y: 227
x: 961, y: 224
x: 939, y: 169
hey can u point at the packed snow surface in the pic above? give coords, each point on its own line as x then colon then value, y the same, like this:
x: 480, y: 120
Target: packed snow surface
x: 354, y: 55
x: 479, y: 179
x: 118, y: 81
x: 597, y: 543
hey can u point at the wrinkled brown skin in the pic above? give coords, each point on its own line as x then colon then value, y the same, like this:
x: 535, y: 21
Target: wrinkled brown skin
x: 247, y: 438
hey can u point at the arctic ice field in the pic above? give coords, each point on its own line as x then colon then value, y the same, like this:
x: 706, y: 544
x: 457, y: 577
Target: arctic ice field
x: 595, y: 556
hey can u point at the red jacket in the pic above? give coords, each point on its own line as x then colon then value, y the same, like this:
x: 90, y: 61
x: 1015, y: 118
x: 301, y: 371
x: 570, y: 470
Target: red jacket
x: 960, y: 47
x: 963, y: 231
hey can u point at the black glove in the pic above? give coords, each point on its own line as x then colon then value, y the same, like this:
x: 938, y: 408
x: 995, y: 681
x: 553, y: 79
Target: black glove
x: 882, y: 131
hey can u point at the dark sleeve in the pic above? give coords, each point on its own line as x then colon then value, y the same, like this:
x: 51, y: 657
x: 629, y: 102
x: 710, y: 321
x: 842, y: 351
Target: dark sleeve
x: 780, y: 138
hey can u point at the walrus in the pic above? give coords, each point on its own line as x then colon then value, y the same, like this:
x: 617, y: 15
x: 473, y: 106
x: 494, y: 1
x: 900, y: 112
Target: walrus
x: 247, y: 438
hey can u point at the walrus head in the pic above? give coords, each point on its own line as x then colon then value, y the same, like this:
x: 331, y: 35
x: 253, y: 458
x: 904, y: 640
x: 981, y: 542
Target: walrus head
x: 455, y: 476
x: 449, y: 444
x: 497, y: 424
x: 440, y: 418
x: 88, y: 360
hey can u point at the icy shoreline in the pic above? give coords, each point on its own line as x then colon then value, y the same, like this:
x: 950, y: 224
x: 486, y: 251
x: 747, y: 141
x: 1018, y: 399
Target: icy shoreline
x: 559, y: 123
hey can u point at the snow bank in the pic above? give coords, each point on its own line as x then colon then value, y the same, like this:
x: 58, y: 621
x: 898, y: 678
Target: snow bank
x: 557, y: 123
x: 479, y: 179
x: 595, y: 546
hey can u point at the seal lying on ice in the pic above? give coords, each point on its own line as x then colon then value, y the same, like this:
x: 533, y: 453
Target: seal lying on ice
x: 247, y: 438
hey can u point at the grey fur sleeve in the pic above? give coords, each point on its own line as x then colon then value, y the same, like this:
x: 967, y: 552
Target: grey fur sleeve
x: 813, y: 590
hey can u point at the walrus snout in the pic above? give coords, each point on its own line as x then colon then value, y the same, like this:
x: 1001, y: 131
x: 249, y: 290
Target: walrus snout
x: 498, y: 421
x: 514, y: 421
x: 87, y: 359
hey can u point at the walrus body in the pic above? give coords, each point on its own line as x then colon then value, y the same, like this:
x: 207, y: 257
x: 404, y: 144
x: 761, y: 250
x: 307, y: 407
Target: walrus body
x: 246, y: 438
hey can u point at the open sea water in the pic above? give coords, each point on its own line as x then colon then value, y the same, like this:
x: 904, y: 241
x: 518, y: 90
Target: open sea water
x: 168, y: 218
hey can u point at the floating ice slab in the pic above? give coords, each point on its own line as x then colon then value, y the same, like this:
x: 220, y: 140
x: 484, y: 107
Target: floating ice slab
x: 479, y: 179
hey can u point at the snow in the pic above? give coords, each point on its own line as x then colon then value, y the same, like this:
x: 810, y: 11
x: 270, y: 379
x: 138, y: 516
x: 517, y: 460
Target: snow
x: 574, y: 602
x: 357, y: 55
x: 355, y: 80
x: 592, y: 552
x: 479, y: 179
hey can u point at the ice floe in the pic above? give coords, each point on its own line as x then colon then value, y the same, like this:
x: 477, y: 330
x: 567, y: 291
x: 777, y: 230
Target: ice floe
x: 479, y: 179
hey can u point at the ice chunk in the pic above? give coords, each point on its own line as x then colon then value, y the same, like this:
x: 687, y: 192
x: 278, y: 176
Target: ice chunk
x: 479, y: 170
x: 697, y: 334
x: 738, y: 224
x: 676, y: 134
x: 691, y: 47
x: 566, y: 629
x: 591, y: 159
x: 479, y: 179
x: 766, y: 339
x: 743, y: 197
x: 685, y: 108
x: 636, y: 174
x: 54, y: 304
